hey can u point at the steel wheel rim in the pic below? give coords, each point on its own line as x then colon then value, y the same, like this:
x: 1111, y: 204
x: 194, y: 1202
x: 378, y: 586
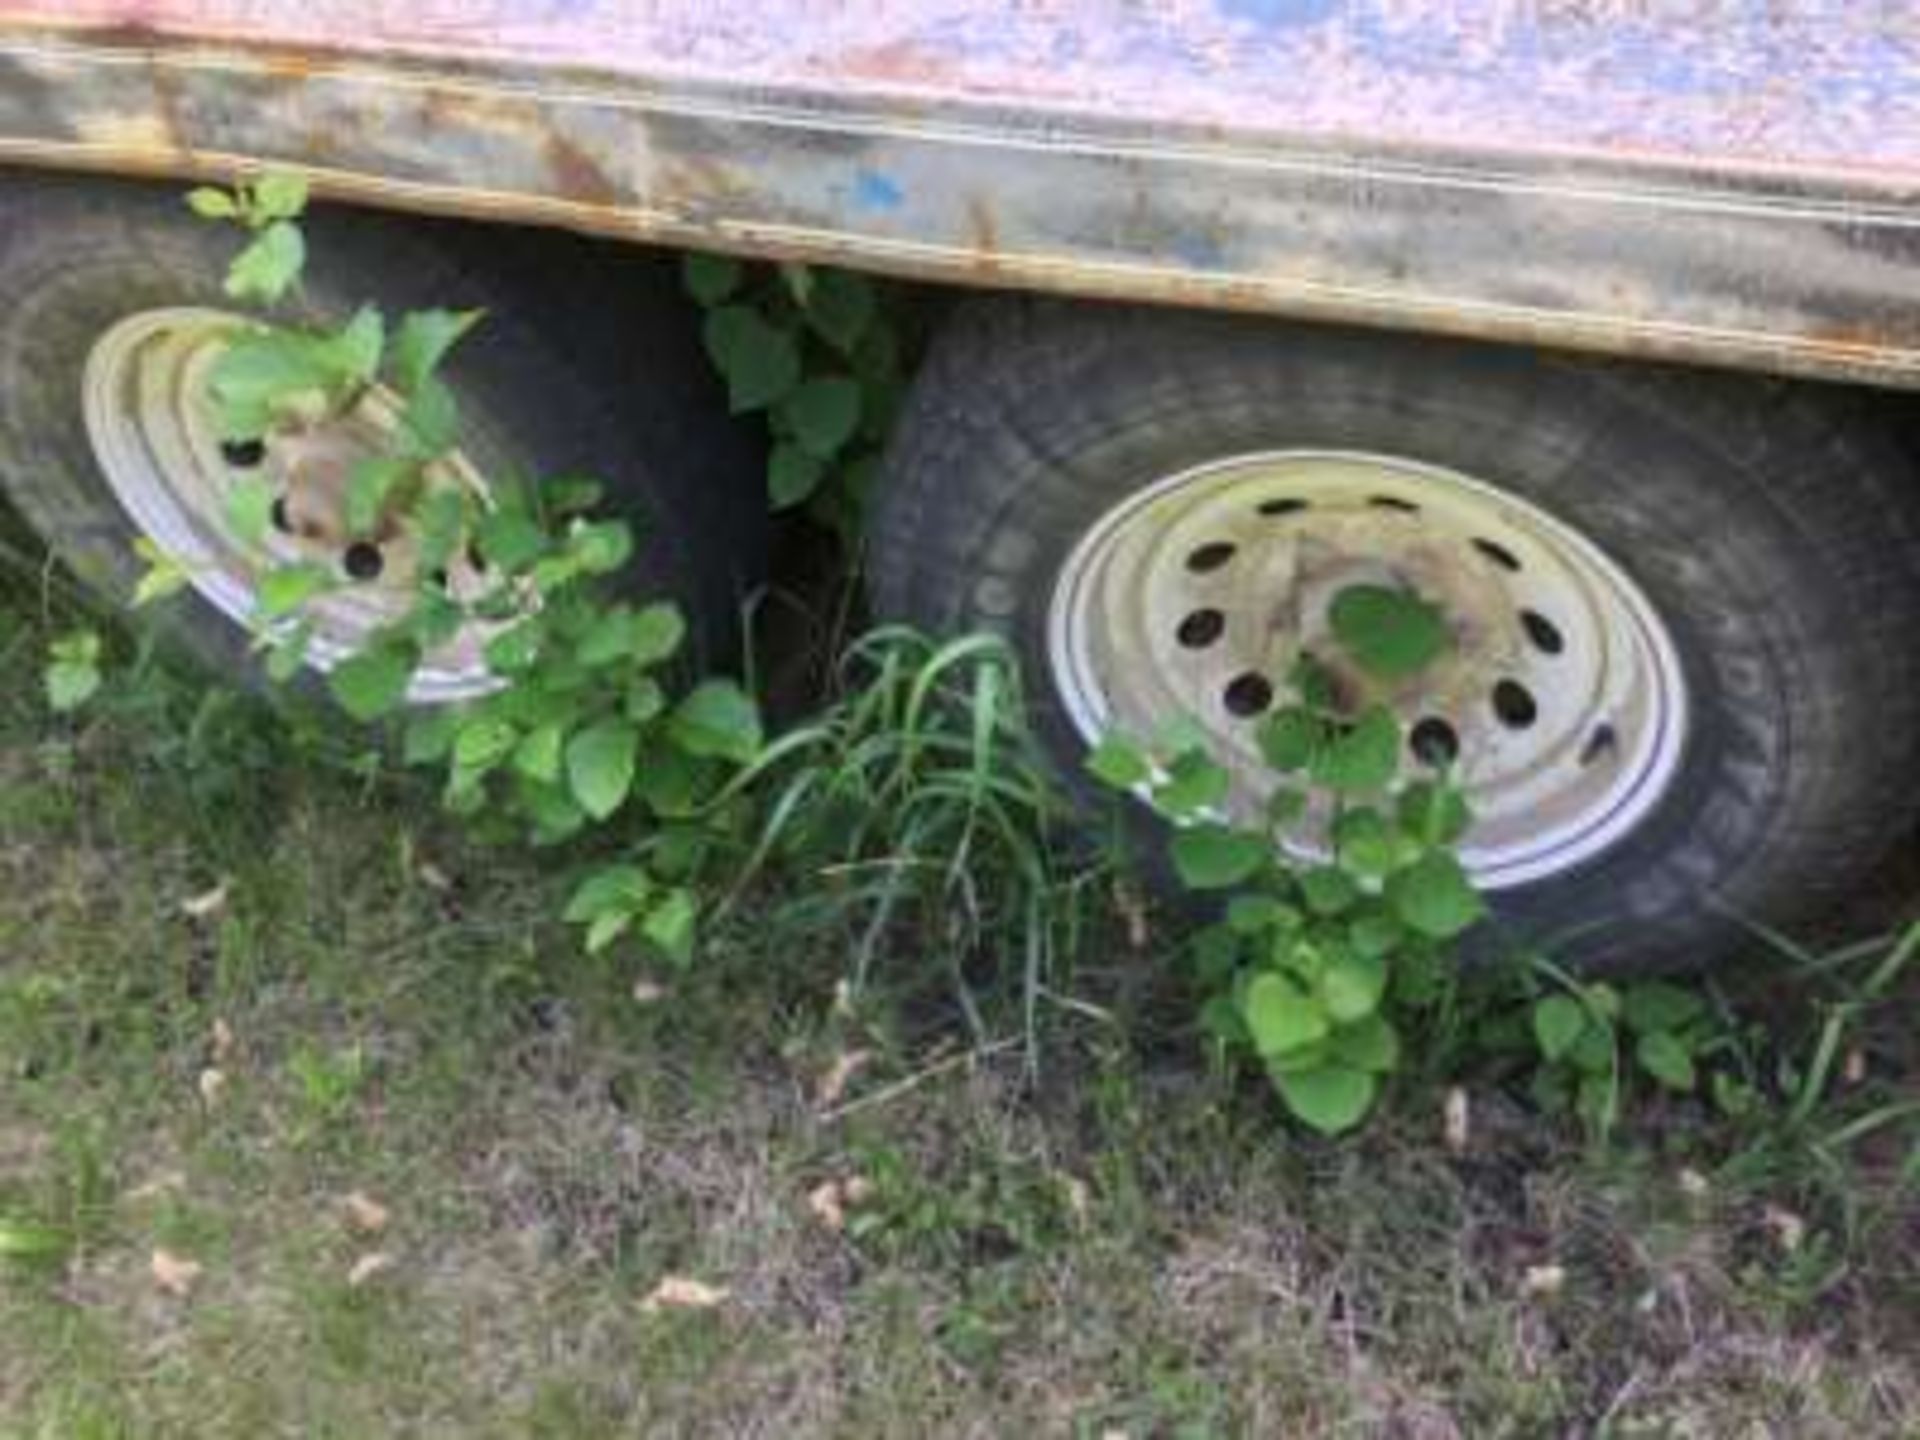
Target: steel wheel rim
x: 1564, y: 694
x: 155, y: 436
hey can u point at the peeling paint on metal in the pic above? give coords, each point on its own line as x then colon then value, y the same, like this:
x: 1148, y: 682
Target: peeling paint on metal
x: 577, y: 175
x: 1813, y: 83
x: 1723, y: 180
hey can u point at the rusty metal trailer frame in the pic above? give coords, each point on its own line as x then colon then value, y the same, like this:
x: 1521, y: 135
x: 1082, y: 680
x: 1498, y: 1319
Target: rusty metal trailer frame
x: 1546, y: 173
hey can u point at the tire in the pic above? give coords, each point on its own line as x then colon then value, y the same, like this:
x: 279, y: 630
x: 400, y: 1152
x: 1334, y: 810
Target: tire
x: 587, y: 364
x: 1770, y: 527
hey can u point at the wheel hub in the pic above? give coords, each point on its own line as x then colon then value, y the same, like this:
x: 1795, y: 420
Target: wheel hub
x: 154, y: 432
x: 1561, y: 695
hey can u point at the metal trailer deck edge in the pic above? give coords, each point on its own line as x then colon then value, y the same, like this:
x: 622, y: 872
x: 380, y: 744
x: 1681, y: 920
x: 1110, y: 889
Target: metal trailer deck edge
x: 1793, y: 272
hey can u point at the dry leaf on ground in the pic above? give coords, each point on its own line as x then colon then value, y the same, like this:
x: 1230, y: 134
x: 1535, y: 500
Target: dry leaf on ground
x: 1789, y: 1230
x: 825, y: 1203
x: 831, y: 1200
x: 364, y: 1213
x: 163, y: 1183
x: 1079, y: 1199
x: 833, y: 1084
x: 207, y: 904
x: 1542, y: 1281
x: 843, y: 1005
x: 175, y: 1274
x: 676, y: 1292
x: 1455, y: 1119
x: 1133, y: 912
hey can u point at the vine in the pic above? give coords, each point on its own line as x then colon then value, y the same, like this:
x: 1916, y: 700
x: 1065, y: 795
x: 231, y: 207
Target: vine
x: 1312, y: 956
x: 581, y: 728
x: 823, y: 356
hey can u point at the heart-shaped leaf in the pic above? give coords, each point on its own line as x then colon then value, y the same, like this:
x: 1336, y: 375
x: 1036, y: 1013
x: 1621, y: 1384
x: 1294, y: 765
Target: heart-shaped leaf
x: 1558, y: 1022
x: 1281, y: 1016
x: 1434, y: 897
x: 719, y: 720
x: 1659, y: 1005
x: 841, y: 306
x: 792, y: 475
x: 1330, y: 1098
x: 1389, y: 633
x: 1371, y: 1044
x: 1290, y: 737
x: 670, y: 924
x: 600, y: 766
x: 1214, y: 857
x: 1351, y: 986
x: 823, y: 413
x: 761, y: 363
x: 422, y: 343
x: 374, y: 682
x: 710, y: 278
x: 1361, y: 757
x: 1663, y: 1055
x: 1117, y: 762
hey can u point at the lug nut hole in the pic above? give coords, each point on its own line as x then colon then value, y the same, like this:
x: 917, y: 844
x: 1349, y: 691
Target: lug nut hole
x: 1514, y: 704
x: 1434, y: 742
x: 363, y: 560
x: 1601, y: 743
x: 1393, y: 502
x: 282, y: 521
x: 1210, y: 557
x: 1285, y: 505
x: 1248, y: 695
x: 1544, y: 634
x: 1201, y: 629
x: 1498, y: 554
x: 243, y: 454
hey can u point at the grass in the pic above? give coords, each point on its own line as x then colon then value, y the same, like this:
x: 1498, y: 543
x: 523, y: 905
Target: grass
x: 1135, y: 1246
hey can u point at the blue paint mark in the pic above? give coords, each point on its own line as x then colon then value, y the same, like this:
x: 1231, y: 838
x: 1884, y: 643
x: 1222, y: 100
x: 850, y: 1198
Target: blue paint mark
x: 874, y: 191
x: 1276, y: 14
x: 1199, y: 252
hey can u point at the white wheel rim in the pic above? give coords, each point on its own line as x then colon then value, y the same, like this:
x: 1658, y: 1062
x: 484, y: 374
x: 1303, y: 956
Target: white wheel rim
x: 154, y: 433
x: 1563, y: 690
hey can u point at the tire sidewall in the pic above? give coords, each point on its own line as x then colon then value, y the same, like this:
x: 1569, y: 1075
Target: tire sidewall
x: 76, y: 258
x: 1691, y: 524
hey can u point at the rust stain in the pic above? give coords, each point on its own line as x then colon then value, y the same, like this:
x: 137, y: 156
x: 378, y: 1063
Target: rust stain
x: 437, y: 109
x: 897, y: 60
x: 295, y: 66
x: 696, y: 189
x: 983, y: 232
x: 577, y: 174
x: 125, y: 35
x: 278, y: 57
x: 166, y: 97
x: 1862, y: 339
x: 700, y: 180
x: 323, y: 146
x: 534, y: 138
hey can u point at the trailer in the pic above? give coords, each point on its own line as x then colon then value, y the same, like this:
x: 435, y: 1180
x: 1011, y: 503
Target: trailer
x: 1588, y: 318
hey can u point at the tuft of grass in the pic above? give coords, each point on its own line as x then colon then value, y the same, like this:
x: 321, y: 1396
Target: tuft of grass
x: 916, y: 804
